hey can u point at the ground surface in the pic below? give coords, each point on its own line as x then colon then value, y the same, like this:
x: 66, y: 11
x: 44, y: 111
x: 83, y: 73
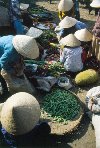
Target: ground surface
x: 84, y: 136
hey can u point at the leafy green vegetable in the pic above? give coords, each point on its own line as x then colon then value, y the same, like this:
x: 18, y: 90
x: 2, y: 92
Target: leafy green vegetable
x: 61, y: 105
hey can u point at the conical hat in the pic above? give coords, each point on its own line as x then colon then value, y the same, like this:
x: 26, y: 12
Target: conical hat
x: 24, y: 6
x: 26, y: 46
x: 70, y: 40
x: 95, y: 4
x: 20, y: 113
x: 34, y: 32
x: 83, y: 35
x: 67, y: 22
x: 1, y: 106
x: 65, y: 5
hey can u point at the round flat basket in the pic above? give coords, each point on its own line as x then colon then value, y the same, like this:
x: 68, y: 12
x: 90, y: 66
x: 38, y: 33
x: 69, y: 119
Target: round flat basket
x: 62, y: 128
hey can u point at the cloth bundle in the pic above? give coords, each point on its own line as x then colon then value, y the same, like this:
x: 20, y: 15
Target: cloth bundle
x: 17, y: 84
x: 94, y: 94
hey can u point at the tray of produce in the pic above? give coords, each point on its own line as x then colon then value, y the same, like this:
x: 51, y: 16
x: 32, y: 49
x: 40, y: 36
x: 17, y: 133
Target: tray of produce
x: 62, y: 110
x: 40, y: 14
x: 44, y: 25
x: 46, y: 38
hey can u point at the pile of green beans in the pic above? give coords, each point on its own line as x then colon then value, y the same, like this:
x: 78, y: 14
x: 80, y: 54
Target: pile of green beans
x: 60, y: 105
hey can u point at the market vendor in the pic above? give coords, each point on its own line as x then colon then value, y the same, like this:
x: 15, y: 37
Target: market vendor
x: 96, y: 31
x: 15, y: 13
x: 68, y: 25
x: 65, y: 8
x: 76, y: 9
x: 85, y: 37
x: 12, y: 51
x: 93, y: 104
x: 20, y: 125
x: 70, y: 53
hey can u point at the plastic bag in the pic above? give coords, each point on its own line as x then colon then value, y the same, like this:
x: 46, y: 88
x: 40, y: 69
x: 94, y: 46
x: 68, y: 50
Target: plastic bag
x: 64, y: 82
x: 45, y: 83
x: 94, y: 94
x: 96, y: 124
x: 16, y: 84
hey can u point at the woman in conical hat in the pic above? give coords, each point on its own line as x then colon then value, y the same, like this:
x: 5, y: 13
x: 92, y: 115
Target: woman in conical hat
x: 12, y: 51
x: 68, y: 25
x: 36, y: 33
x: 19, y: 116
x: 96, y: 31
x: 66, y: 8
x: 19, y: 16
x: 85, y: 37
x: 70, y: 53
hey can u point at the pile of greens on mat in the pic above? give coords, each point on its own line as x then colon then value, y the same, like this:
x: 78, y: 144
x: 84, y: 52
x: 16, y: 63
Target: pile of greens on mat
x: 60, y: 106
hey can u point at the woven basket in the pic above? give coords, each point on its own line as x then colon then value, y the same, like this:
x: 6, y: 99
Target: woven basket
x: 61, y: 128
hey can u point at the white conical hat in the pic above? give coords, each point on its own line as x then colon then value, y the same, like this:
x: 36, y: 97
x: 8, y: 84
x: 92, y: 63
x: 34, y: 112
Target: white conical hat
x: 24, y: 6
x: 26, y: 46
x: 34, y: 32
x: 67, y: 22
x: 95, y: 4
x: 83, y: 35
x: 70, y: 40
x: 20, y: 113
x: 65, y: 5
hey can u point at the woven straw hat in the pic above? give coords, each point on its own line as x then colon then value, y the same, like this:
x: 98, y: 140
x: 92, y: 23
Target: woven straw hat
x: 24, y: 6
x: 34, y: 32
x: 67, y: 22
x: 65, y: 5
x: 20, y: 113
x: 26, y: 46
x: 83, y: 35
x: 70, y: 40
x: 95, y: 4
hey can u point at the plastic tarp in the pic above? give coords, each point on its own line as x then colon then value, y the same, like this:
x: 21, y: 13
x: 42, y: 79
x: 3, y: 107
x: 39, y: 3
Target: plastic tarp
x: 4, y: 17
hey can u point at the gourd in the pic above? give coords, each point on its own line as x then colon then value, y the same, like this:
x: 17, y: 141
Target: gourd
x: 86, y: 77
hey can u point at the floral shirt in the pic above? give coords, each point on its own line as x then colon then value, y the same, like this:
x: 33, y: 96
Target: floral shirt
x: 96, y: 29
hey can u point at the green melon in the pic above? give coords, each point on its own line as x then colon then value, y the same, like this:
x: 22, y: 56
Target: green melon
x: 86, y: 77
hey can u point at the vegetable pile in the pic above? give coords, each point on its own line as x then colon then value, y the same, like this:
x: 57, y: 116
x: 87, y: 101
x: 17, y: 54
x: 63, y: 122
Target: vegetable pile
x: 47, y: 37
x: 60, y: 105
x: 47, y: 69
x: 40, y: 14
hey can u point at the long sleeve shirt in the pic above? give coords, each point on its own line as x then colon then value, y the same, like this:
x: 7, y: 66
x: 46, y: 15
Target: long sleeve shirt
x: 64, y: 32
x: 28, y: 139
x: 71, y: 58
x: 8, y: 55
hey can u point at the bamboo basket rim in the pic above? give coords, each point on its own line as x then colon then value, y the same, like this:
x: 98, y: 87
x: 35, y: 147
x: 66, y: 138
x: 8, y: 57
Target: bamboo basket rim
x: 60, y: 128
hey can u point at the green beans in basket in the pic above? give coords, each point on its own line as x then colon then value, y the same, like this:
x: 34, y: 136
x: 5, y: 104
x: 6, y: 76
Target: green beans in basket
x: 60, y: 105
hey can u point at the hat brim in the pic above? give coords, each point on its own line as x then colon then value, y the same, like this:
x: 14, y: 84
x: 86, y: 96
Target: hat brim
x: 81, y: 35
x: 67, y: 22
x: 95, y: 4
x: 34, y: 32
x: 65, y: 5
x: 31, y: 51
x: 24, y: 6
x: 70, y: 41
x: 20, y: 113
x: 1, y: 106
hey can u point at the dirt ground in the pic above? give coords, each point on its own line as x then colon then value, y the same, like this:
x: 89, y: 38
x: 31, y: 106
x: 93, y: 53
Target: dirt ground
x: 84, y: 136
